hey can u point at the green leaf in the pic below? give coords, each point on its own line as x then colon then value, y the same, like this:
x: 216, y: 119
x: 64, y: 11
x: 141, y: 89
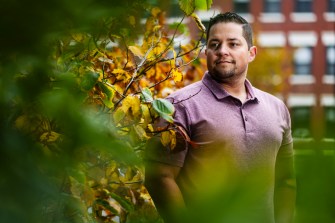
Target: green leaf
x: 146, y: 95
x: 108, y: 91
x: 182, y: 28
x: 108, y: 103
x: 106, y: 205
x: 202, y: 4
x: 188, y: 6
x: 164, y: 108
x: 89, y: 80
x: 127, y: 205
x: 166, y: 117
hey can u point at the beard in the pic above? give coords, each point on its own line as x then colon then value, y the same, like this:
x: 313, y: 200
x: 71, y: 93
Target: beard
x: 222, y: 74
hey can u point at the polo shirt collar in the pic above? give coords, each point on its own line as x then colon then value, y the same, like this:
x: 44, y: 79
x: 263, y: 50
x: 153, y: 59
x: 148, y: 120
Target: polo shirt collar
x: 221, y: 93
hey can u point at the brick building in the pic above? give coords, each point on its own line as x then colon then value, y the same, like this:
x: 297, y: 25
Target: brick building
x: 306, y: 30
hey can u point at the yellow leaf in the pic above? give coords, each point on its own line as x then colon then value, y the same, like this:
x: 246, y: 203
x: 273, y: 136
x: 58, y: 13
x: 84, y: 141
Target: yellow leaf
x: 121, y: 74
x: 101, y: 76
x: 20, y: 122
x: 168, y: 139
x: 157, y: 28
x: 49, y: 136
x: 92, y: 183
x: 75, y: 187
x: 146, y: 197
x: 132, y: 20
x: 118, y: 89
x: 176, y: 75
x: 109, y: 171
x: 157, y: 50
x: 173, y: 61
x: 114, y: 177
x: 137, y: 177
x: 124, y: 131
x: 150, y: 73
x: 140, y: 132
x: 173, y: 142
x: 103, y: 181
x: 118, y: 115
x: 199, y: 23
x: 165, y: 138
x: 155, y: 11
x: 78, y: 37
x: 119, y: 71
x: 136, y: 51
x: 125, y: 175
x: 44, y: 124
x: 150, y: 127
x: 145, y: 114
x: 132, y: 105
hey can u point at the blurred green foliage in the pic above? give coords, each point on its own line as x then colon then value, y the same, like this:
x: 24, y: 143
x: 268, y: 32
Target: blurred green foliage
x: 315, y: 172
x: 34, y: 186
x: 58, y: 155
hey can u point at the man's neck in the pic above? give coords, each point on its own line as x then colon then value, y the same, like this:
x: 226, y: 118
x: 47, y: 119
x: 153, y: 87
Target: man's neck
x: 237, y: 89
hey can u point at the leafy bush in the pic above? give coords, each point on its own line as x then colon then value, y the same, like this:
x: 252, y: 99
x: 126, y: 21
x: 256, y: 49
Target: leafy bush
x: 81, y: 84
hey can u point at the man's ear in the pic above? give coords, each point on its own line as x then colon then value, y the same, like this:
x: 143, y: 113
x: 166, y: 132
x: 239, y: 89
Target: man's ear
x: 252, y: 53
x: 206, y: 51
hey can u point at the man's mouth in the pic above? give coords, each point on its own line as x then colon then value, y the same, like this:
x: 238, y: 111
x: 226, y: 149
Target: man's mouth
x: 224, y: 62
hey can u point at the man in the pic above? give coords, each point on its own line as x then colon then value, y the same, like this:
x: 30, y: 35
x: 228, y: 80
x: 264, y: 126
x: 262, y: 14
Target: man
x: 236, y: 162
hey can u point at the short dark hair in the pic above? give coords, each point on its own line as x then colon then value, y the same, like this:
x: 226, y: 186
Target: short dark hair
x: 235, y: 18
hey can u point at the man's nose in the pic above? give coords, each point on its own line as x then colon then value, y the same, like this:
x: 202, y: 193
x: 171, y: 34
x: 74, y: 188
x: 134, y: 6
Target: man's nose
x: 223, y: 50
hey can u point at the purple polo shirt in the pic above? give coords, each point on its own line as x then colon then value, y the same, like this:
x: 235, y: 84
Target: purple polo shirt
x: 234, y: 146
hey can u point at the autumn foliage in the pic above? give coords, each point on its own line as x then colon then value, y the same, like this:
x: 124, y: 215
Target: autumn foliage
x: 80, y: 106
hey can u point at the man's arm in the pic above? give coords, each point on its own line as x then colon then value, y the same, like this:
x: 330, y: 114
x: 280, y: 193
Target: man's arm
x: 285, y: 187
x: 160, y: 180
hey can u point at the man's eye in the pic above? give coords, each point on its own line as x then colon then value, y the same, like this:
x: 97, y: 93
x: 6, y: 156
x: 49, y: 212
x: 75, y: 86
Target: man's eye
x: 214, y: 45
x: 234, y: 44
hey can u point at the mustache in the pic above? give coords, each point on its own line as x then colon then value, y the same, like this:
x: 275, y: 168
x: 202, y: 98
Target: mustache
x: 225, y: 61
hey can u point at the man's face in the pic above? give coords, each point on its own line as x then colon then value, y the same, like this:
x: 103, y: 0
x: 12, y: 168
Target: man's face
x: 227, y: 52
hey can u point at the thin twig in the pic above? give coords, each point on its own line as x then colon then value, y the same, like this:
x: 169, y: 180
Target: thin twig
x: 112, y: 86
x: 173, y: 102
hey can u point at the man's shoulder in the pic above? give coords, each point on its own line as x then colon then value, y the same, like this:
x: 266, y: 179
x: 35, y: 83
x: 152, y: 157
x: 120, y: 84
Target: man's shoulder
x: 263, y: 95
x: 271, y: 101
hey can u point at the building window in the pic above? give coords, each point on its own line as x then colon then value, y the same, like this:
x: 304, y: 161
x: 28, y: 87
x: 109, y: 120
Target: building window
x: 272, y: 6
x: 330, y: 58
x: 303, y: 61
x: 301, y: 117
x: 303, y: 5
x: 241, y: 6
x: 329, y: 122
x: 331, y: 6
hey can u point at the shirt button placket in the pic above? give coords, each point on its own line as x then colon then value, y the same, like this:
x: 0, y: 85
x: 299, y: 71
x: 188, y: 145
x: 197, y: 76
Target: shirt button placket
x: 245, y: 119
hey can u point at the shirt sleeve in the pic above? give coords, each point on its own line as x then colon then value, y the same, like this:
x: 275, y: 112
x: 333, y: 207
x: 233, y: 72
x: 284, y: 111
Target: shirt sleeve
x: 286, y: 149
